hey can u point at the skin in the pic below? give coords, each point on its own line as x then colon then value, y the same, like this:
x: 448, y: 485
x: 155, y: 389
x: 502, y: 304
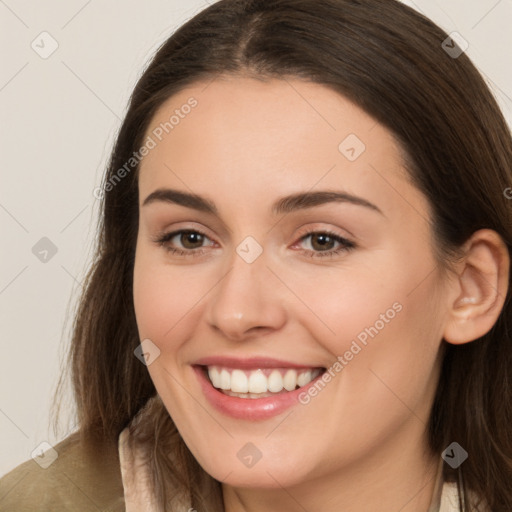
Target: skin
x: 360, y: 444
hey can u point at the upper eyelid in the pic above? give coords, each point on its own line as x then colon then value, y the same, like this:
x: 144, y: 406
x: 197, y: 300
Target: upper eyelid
x: 189, y: 227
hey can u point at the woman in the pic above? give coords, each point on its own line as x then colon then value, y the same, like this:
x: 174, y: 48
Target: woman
x: 301, y: 293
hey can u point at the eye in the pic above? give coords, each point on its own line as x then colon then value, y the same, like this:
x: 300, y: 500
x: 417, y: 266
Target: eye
x: 191, y: 241
x: 323, y: 244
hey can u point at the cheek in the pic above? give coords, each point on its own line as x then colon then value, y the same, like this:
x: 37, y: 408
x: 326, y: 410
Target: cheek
x: 346, y: 303
x: 392, y: 341
x: 384, y: 320
x: 165, y: 298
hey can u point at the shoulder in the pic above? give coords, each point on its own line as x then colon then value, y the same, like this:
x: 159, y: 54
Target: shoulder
x: 85, y: 477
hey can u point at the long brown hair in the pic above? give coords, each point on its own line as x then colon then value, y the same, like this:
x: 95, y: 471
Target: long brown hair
x: 389, y: 60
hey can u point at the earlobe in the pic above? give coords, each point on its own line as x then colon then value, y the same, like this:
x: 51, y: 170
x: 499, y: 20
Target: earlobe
x: 482, y: 286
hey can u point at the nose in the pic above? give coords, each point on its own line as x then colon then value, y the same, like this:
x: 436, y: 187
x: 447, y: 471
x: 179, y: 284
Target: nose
x: 247, y: 301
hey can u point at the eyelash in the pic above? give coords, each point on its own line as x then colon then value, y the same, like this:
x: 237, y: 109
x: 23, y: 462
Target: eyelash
x: 346, y: 245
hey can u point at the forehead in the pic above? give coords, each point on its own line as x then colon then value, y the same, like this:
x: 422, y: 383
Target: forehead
x: 257, y: 136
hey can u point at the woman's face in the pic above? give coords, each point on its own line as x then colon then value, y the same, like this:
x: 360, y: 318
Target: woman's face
x: 305, y: 248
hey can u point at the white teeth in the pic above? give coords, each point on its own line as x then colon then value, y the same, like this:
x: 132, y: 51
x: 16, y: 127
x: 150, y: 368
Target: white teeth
x: 275, y: 382
x: 239, y: 382
x: 214, y: 376
x: 246, y: 395
x: 258, y: 383
x: 225, y: 380
x: 303, y: 378
x: 290, y: 380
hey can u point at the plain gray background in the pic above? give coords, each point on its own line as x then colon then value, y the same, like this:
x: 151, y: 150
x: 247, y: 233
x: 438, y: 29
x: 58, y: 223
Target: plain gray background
x: 59, y: 117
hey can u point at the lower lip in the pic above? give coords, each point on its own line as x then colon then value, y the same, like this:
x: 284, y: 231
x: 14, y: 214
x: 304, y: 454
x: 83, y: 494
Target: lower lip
x: 250, y: 408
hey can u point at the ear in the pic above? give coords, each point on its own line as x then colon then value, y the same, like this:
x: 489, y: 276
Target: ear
x: 480, y: 288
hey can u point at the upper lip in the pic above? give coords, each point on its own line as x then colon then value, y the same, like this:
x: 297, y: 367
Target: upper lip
x: 250, y: 363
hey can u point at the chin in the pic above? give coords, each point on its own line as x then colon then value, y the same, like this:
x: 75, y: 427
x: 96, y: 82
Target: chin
x: 262, y: 475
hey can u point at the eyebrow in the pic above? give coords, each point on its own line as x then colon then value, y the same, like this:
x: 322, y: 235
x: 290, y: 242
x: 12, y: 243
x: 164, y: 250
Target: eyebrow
x: 283, y: 205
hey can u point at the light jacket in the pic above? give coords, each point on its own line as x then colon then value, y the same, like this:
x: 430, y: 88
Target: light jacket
x: 106, y: 478
x: 80, y: 480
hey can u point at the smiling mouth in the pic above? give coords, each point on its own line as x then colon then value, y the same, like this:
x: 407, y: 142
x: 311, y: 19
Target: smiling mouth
x: 261, y: 382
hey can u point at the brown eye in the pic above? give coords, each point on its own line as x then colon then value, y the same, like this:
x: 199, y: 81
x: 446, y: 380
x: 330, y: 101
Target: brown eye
x: 322, y: 242
x: 184, y: 242
x: 191, y: 239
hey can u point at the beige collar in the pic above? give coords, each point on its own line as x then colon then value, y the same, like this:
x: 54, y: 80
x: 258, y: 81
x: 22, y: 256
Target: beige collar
x: 135, y: 476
